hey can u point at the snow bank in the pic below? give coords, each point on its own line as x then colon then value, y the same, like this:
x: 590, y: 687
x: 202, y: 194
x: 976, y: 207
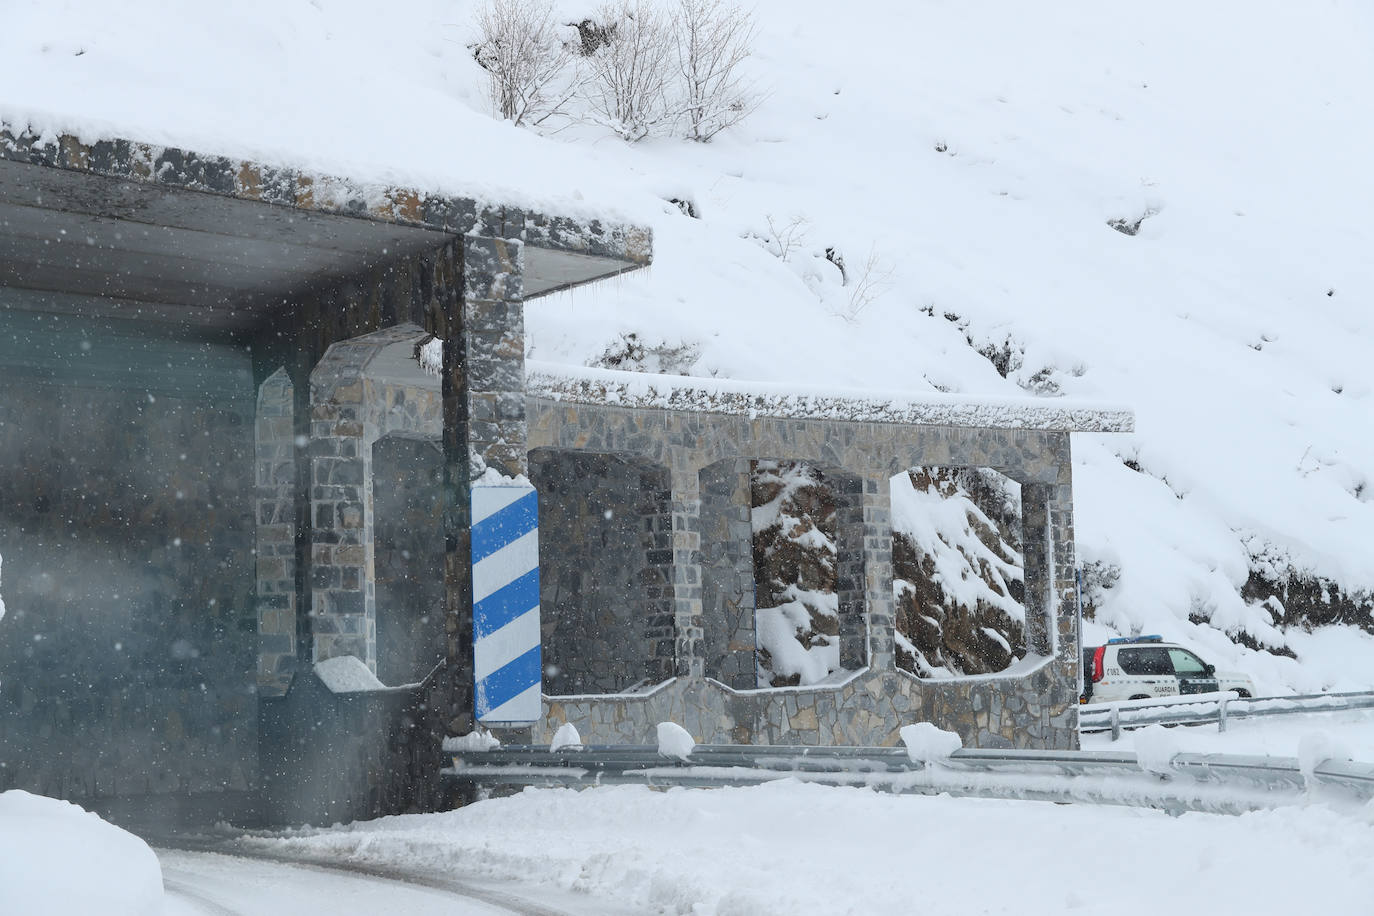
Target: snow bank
x: 674, y: 741
x: 926, y: 743
x: 787, y: 848
x: 1155, y: 749
x: 566, y: 738
x: 1315, y: 748
x: 1278, y: 736
x: 777, y: 629
x: 56, y: 857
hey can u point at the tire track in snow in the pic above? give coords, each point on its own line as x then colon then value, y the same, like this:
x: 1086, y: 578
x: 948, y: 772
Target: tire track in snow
x: 183, y: 882
x: 198, y: 900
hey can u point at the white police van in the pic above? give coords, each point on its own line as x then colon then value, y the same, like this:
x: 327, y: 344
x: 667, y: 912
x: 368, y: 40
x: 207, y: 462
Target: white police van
x: 1143, y: 667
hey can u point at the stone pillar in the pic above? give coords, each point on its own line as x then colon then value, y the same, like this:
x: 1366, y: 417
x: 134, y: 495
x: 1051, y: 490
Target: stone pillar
x: 275, y: 460
x: 877, y: 553
x: 1051, y: 600
x: 851, y: 542
x: 1064, y: 692
x: 687, y: 612
x: 494, y: 336
x: 656, y: 538
x: 1038, y: 552
x: 481, y: 321
x: 1065, y: 591
x: 343, y: 597
x: 730, y: 642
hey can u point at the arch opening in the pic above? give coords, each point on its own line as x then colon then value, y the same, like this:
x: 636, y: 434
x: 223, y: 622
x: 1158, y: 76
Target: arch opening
x: 959, y: 571
x: 605, y: 559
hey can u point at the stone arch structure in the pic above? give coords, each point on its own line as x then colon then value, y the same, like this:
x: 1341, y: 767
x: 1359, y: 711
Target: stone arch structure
x: 1030, y: 706
x: 980, y: 634
x: 352, y: 406
x: 727, y: 564
x: 204, y: 523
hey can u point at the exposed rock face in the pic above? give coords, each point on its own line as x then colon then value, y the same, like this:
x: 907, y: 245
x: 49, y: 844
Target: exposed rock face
x: 1295, y: 599
x: 1304, y: 600
x: 795, y: 556
x: 957, y: 572
x: 956, y: 568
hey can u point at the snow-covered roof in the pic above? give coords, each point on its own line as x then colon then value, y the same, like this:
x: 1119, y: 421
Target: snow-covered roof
x: 638, y: 389
x: 159, y: 232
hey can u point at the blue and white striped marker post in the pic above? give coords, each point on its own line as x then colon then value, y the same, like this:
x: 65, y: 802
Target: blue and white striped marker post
x: 505, y: 605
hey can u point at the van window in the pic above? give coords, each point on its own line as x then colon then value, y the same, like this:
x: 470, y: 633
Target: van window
x: 1145, y: 660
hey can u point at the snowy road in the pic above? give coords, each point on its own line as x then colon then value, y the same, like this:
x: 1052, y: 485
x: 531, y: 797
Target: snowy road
x: 215, y: 884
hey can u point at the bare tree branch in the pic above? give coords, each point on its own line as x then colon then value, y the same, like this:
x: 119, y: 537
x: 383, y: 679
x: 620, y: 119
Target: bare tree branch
x: 874, y: 278
x: 711, y: 41
x: 627, y: 87
x: 529, y: 66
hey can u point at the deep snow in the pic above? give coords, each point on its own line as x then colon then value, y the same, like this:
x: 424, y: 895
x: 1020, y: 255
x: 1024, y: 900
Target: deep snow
x: 782, y: 848
x: 972, y: 155
x: 56, y: 857
x: 790, y: 847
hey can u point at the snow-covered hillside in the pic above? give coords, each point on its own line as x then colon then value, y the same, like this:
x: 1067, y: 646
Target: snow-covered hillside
x: 969, y: 157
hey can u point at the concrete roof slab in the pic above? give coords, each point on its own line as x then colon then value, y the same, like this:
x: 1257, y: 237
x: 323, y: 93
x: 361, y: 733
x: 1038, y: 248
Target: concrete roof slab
x: 121, y: 228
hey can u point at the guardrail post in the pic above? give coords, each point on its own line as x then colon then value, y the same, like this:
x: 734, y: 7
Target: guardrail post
x: 1221, y: 714
x: 1116, y: 722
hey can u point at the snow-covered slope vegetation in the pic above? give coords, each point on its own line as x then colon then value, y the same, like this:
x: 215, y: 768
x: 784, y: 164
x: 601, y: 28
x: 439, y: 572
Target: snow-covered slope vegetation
x: 1162, y: 204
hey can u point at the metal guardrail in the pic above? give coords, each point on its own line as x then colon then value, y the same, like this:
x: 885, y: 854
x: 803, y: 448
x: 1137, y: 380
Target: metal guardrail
x: 1218, y: 708
x: 1217, y: 783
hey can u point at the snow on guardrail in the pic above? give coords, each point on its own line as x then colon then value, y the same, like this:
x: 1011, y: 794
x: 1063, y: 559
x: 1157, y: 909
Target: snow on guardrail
x: 1217, y: 783
x: 1202, y: 708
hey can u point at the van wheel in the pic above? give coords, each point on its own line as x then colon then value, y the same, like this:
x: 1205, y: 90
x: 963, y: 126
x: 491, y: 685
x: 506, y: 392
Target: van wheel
x: 1140, y: 696
x: 1244, y: 694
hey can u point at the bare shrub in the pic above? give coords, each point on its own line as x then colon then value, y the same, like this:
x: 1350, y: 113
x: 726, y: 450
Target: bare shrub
x: 632, y: 353
x: 628, y: 75
x: 784, y: 238
x: 870, y: 281
x: 710, y: 42
x: 528, y: 64
x: 632, y: 68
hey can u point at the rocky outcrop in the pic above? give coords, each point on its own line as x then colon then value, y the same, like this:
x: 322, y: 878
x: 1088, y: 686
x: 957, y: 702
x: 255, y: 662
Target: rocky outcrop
x: 795, y: 568
x: 957, y: 572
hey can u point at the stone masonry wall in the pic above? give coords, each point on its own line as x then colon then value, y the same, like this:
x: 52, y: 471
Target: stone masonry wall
x: 468, y: 293
x: 605, y: 594
x: 1032, y: 707
x: 1038, y: 710
x: 727, y: 574
x: 350, y: 412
